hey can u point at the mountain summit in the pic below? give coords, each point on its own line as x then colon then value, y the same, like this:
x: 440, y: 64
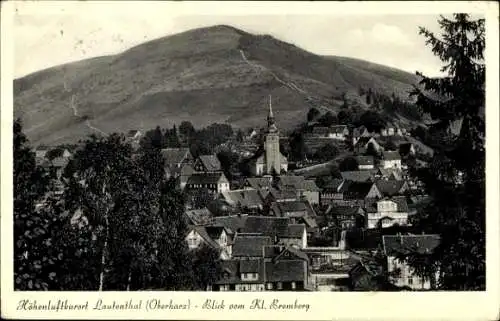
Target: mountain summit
x: 215, y: 74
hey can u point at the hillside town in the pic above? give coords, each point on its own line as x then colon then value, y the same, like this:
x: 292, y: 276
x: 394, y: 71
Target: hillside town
x: 275, y: 229
x: 357, y: 188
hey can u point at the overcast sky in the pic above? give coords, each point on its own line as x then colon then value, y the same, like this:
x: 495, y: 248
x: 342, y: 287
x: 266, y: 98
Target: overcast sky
x: 51, y: 37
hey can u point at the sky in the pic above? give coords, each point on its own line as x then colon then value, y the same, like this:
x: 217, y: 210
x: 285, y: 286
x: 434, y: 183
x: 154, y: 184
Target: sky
x: 45, y: 38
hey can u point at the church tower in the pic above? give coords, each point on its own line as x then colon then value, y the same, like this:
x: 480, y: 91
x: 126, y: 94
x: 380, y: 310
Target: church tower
x: 272, y: 144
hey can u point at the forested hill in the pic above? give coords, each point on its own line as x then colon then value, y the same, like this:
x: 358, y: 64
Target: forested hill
x: 215, y: 74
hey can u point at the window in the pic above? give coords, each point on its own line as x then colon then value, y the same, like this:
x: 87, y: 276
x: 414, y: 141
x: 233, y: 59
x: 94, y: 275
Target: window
x: 280, y: 286
x: 410, y: 280
x: 294, y: 286
x: 269, y: 286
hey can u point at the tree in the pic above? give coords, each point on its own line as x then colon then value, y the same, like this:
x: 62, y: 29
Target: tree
x: 298, y: 148
x: 344, y: 117
x: 348, y: 164
x: 312, y: 114
x: 32, y: 227
x: 326, y: 152
x: 372, y: 121
x: 186, y: 130
x: 328, y: 119
x: 457, y: 183
x: 239, y: 136
x: 54, y: 153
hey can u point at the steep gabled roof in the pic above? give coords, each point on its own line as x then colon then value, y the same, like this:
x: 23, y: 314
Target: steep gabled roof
x: 286, y: 271
x: 199, y: 216
x: 401, y: 203
x: 404, y: 244
x: 363, y: 141
x: 388, y: 155
x: 343, y: 210
x: 334, y: 185
x: 232, y: 222
x: 358, y: 190
x: 258, y: 182
x: 250, y: 266
x: 295, y: 230
x: 243, y: 197
x: 266, y: 225
x: 390, y: 187
x: 205, y: 178
x: 338, y: 129
x: 357, y: 176
x: 365, y: 160
x: 210, y: 162
x: 172, y: 156
x: 203, y: 233
x: 250, y: 245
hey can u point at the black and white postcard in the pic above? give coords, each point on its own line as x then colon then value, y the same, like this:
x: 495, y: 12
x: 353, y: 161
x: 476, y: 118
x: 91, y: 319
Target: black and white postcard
x: 248, y: 160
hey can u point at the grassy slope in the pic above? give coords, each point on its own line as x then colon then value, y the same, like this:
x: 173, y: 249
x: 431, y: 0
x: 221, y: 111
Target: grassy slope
x: 199, y: 75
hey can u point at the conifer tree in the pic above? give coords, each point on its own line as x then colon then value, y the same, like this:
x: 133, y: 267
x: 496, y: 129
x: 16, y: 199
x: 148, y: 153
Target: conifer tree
x: 455, y: 179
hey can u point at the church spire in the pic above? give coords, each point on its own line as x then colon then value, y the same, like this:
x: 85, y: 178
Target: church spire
x: 270, y: 116
x: 271, y: 126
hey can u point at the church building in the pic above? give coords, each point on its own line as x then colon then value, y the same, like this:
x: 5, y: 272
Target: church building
x: 270, y: 159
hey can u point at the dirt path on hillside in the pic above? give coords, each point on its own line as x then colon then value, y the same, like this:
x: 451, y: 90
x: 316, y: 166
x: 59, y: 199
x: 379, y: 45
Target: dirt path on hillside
x: 73, y: 107
x: 290, y: 85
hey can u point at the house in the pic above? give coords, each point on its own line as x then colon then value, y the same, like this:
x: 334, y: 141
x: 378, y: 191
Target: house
x: 185, y: 172
x: 279, y: 268
x: 134, y: 138
x: 365, y: 276
x: 332, y: 191
x: 387, y: 212
x: 304, y: 188
x: 407, y: 149
x: 214, y: 182
x: 258, y: 182
x: 361, y: 191
x: 41, y: 153
x: 276, y: 195
x: 249, y: 246
x: 389, y: 174
x: 215, y: 237
x: 358, y: 176
x: 207, y: 163
x: 365, y: 162
x: 174, y: 159
x: 296, y: 236
x: 339, y: 132
x: 391, y: 131
x: 243, y: 198
x: 359, y: 132
x: 391, y: 160
x: 198, y: 217
x: 389, y: 188
x: 401, y: 274
x: 361, y: 145
x: 299, y: 212
x: 347, y: 217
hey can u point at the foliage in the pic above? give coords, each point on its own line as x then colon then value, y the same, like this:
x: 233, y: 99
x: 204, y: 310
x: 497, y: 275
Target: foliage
x: 457, y: 183
x: 32, y: 235
x: 298, y: 148
x: 312, y: 114
x: 328, y: 119
x: 207, y: 267
x: 326, y: 152
x: 348, y: 164
x: 372, y: 121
